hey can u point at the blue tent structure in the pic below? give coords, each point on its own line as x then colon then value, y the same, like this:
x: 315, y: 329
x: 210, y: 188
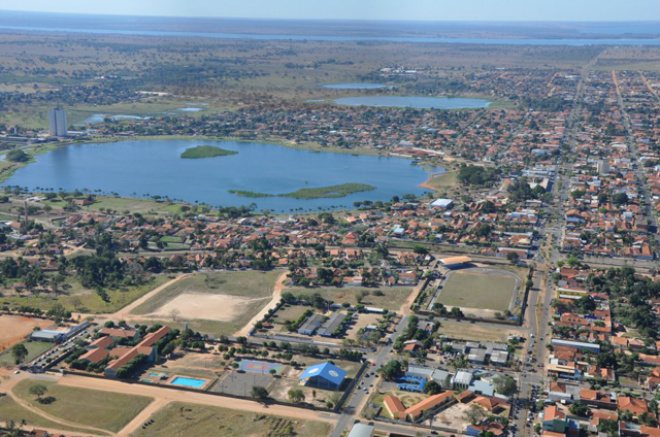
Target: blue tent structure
x: 323, y: 375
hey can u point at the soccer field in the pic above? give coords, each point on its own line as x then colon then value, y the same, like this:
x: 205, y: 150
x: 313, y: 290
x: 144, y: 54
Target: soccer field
x: 480, y: 289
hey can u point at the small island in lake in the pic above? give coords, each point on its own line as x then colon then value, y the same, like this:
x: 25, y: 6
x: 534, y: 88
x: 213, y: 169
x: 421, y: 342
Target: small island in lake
x: 313, y: 193
x: 200, y: 152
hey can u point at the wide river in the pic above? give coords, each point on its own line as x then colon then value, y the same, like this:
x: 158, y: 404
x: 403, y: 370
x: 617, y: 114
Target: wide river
x: 147, y: 168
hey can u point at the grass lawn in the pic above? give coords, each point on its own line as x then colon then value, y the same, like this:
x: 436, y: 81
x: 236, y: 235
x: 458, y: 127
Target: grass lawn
x: 35, y: 348
x: 87, y: 301
x: 11, y: 410
x: 473, y: 332
x: 484, y: 290
x: 247, y: 283
x: 111, y: 411
x: 392, y: 298
x: 179, y: 419
x: 443, y: 181
x: 121, y: 204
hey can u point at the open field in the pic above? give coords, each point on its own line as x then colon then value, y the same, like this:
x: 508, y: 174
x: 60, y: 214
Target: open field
x: 15, y: 328
x: 11, y: 410
x: 34, y: 348
x: 474, y: 332
x: 442, y: 181
x: 478, y: 289
x: 251, y: 284
x: 111, y: 411
x: 392, y: 298
x: 219, y: 307
x: 217, y: 303
x: 178, y: 419
x: 86, y: 301
x: 121, y: 204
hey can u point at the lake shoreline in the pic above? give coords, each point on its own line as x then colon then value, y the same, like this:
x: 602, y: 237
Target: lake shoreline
x: 330, y: 175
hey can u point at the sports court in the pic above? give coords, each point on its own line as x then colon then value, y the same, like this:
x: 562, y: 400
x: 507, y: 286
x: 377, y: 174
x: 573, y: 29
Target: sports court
x: 260, y: 366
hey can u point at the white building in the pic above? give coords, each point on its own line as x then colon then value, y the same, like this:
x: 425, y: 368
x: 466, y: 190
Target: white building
x: 57, y: 122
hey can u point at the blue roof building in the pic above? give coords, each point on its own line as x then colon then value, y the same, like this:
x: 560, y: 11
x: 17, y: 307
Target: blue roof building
x: 323, y: 375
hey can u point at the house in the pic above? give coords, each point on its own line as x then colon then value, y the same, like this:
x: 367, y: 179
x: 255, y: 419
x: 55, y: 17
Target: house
x: 554, y: 419
x: 635, y: 405
x: 323, y: 375
x: 496, y: 428
x: 597, y: 399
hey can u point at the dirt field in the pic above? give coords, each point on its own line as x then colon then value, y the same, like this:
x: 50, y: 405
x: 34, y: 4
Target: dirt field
x: 219, y: 307
x: 452, y: 417
x: 479, y: 288
x: 14, y: 328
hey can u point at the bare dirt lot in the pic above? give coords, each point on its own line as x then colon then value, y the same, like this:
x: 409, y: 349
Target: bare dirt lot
x: 14, y: 328
x: 219, y: 307
x: 452, y: 417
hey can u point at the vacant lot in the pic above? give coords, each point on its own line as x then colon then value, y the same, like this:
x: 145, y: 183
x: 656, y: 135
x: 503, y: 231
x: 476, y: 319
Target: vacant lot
x: 218, y: 302
x: 452, y: 417
x: 14, y: 328
x: 475, y: 331
x: 179, y: 419
x: 478, y: 288
x: 390, y: 298
x: 81, y: 300
x: 11, y: 410
x: 111, y: 411
x: 35, y: 348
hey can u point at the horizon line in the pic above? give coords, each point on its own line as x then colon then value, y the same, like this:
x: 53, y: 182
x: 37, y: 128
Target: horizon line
x: 118, y: 15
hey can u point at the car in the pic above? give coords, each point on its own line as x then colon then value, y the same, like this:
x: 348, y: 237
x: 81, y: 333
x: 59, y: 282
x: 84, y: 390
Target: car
x: 16, y: 372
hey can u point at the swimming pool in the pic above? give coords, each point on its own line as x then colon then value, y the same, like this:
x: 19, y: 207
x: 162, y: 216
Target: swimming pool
x: 188, y: 382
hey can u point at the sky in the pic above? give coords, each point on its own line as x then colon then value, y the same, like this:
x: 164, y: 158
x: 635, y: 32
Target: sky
x: 427, y: 10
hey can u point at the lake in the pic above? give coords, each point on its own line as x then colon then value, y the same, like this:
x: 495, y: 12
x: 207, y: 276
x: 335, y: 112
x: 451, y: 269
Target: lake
x: 146, y: 168
x: 345, y: 38
x: 355, y: 86
x: 413, y: 102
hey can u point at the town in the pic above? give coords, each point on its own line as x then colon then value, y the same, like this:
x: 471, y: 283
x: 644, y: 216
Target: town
x: 513, y: 294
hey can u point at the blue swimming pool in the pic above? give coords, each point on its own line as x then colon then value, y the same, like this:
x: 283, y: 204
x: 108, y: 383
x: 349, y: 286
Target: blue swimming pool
x: 188, y: 382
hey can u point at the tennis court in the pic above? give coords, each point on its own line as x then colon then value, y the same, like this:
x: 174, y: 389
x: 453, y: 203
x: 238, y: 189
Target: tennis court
x: 260, y: 366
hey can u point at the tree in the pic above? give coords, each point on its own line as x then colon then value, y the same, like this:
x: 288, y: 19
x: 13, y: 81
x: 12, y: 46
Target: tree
x: 512, y: 257
x: 474, y: 414
x: 506, y: 385
x: 259, y: 392
x: 17, y: 156
x: 610, y: 427
x: 392, y: 370
x: 579, y: 409
x: 19, y: 352
x: 38, y: 390
x: 296, y: 396
x: 432, y: 388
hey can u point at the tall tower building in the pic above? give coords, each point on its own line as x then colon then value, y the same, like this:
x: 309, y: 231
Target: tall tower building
x: 57, y: 122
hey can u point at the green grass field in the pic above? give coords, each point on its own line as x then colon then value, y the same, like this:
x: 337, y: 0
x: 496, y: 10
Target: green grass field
x: 392, y: 298
x: 35, y: 348
x: 111, y: 411
x: 481, y: 290
x: 248, y: 283
x: 444, y: 181
x: 87, y: 301
x: 179, y: 419
x: 11, y: 410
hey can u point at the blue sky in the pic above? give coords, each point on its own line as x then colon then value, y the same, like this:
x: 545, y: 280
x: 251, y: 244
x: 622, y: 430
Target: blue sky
x: 435, y: 10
